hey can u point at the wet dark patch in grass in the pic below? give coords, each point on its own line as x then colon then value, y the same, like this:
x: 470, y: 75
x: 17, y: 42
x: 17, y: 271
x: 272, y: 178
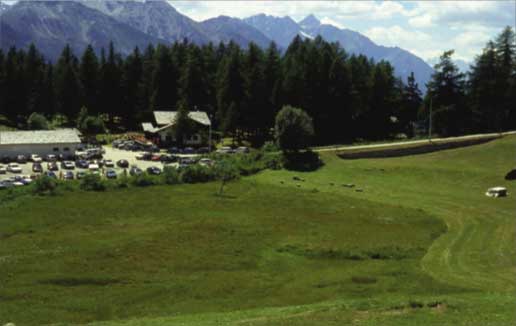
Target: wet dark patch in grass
x: 80, y: 281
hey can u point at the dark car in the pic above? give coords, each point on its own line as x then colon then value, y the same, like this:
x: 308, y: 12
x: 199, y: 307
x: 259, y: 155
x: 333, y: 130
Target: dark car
x: 68, y: 175
x: 168, y: 159
x: 82, y: 164
x: 154, y: 170
x: 203, y: 150
x: 111, y: 174
x: 80, y: 174
x: 135, y: 171
x: 122, y: 163
x: 174, y: 150
x: 51, y: 174
x: 52, y: 166
x: 37, y: 168
x: 188, y: 150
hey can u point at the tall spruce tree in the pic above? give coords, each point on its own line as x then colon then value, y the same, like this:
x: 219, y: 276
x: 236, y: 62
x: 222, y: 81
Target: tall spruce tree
x: 164, y: 80
x: 89, y: 76
x: 447, y: 90
x: 67, y: 84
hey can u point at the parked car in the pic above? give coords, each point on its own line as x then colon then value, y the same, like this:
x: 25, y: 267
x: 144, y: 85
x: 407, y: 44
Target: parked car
x: 26, y: 179
x: 93, y: 167
x: 225, y: 150
x: 203, y: 150
x: 135, y: 171
x: 154, y: 170
x: 37, y: 168
x: 68, y: 175
x: 22, y: 159
x: 3, y: 170
x: 51, y: 174
x: 168, y: 159
x: 174, y: 150
x: 242, y: 150
x: 68, y: 165
x: 14, y: 168
x: 83, y: 164
x: 36, y: 158
x: 111, y: 174
x: 122, y: 163
x: 4, y: 184
x: 5, y: 159
x: 52, y: 166
x: 187, y: 161
x: 188, y: 150
x: 109, y: 163
x: 80, y: 174
x: 156, y: 158
x: 206, y: 162
x: 50, y: 158
x: 144, y: 156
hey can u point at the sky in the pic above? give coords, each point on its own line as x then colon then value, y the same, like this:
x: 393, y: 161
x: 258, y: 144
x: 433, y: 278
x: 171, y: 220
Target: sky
x: 425, y: 28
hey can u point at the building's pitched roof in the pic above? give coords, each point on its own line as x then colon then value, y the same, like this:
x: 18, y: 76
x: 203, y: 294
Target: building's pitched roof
x: 59, y: 136
x: 148, y: 127
x: 166, y: 118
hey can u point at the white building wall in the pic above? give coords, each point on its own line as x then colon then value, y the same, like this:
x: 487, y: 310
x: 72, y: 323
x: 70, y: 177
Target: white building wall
x: 40, y: 149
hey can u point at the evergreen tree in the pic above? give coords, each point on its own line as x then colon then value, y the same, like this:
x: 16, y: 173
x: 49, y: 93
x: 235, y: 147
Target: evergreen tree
x: 89, y: 76
x: 272, y: 77
x: 193, y: 86
x: 164, y: 81
x: 410, y: 105
x: 255, y: 97
x: 229, y: 91
x: 110, y: 94
x: 337, y: 125
x: 132, y: 77
x: 446, y: 88
x: 68, y: 90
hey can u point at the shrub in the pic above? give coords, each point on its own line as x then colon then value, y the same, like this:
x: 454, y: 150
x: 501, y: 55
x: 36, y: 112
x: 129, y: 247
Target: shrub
x: 122, y: 181
x: 302, y: 161
x: 144, y: 180
x: 197, y: 173
x: 270, y: 147
x: 92, y: 182
x: 45, y: 185
x: 171, y: 175
x: 37, y: 121
x: 293, y: 129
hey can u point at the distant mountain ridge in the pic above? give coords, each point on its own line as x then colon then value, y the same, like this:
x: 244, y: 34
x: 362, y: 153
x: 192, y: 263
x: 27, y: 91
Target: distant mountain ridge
x: 52, y: 24
x: 281, y: 30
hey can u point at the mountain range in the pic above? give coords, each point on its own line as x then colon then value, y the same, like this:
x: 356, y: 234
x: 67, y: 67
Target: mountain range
x: 52, y: 24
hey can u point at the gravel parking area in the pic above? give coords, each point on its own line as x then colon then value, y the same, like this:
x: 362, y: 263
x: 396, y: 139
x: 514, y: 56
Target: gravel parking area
x: 111, y: 154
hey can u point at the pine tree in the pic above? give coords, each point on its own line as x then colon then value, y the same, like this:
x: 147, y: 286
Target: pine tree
x: 193, y: 86
x: 339, y: 121
x: 164, y: 81
x: 410, y: 105
x: 272, y: 76
x: 132, y: 77
x: 89, y: 76
x: 110, y: 92
x: 68, y: 90
x: 229, y: 91
x: 447, y: 88
x: 255, y: 97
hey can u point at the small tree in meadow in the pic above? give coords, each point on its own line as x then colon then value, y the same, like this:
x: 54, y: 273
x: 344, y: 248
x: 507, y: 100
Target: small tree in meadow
x: 225, y: 172
x: 293, y: 129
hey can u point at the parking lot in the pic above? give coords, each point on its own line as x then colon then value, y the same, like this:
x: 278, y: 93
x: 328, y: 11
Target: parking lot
x: 110, y: 154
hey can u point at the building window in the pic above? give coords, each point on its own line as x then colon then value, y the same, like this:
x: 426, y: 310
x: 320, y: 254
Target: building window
x: 66, y: 149
x: 56, y: 149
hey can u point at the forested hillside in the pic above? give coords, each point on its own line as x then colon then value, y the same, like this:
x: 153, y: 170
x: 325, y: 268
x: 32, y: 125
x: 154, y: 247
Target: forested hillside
x: 348, y: 96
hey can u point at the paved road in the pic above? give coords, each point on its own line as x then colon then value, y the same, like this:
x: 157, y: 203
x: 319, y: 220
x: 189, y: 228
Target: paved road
x: 411, y: 142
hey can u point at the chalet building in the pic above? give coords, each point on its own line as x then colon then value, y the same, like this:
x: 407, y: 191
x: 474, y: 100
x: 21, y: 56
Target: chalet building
x: 41, y: 142
x: 162, y: 131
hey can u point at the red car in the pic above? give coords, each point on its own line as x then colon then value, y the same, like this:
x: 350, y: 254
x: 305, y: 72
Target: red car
x: 156, y: 158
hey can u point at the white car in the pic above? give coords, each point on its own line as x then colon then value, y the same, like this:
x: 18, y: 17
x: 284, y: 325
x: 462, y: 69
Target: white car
x: 68, y: 165
x: 14, y: 168
x: 2, y: 169
x: 225, y: 150
x: 109, y: 163
x: 206, y: 162
x: 36, y: 158
x: 93, y: 167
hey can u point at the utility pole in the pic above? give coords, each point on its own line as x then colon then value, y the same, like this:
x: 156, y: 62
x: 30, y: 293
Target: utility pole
x: 430, y: 120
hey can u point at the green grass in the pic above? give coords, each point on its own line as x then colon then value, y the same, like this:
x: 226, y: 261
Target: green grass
x: 420, y: 245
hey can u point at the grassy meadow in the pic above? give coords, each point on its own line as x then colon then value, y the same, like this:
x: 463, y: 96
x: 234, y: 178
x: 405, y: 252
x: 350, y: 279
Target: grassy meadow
x: 414, y: 242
